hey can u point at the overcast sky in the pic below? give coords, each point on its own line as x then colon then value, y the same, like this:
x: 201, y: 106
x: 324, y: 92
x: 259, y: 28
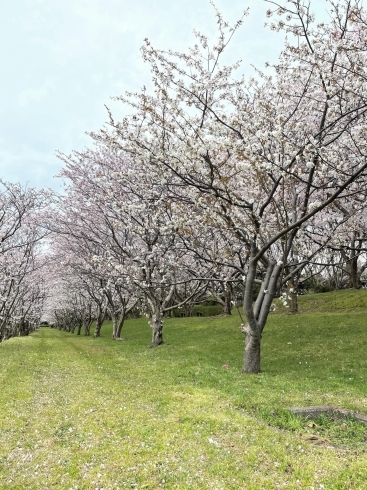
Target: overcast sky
x: 61, y: 61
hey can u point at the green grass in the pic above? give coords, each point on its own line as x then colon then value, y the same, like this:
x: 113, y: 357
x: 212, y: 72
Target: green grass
x: 345, y: 300
x: 84, y: 413
x: 328, y: 429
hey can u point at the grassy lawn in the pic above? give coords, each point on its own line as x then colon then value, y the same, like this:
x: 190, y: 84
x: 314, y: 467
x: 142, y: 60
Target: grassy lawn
x: 84, y: 413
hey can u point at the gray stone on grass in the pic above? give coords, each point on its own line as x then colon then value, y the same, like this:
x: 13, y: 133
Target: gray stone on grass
x: 315, y: 411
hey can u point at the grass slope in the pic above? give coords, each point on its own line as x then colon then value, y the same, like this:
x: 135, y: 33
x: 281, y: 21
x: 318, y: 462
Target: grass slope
x: 84, y: 413
x: 348, y: 300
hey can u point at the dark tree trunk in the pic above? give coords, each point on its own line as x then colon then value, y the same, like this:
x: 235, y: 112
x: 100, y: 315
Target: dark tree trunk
x: 99, y: 322
x: 22, y: 327
x: 353, y: 268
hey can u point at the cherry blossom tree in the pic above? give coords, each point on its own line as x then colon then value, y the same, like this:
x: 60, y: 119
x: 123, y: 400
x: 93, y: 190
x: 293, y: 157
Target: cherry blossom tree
x: 132, y: 219
x: 69, y: 307
x: 22, y: 260
x: 79, y: 284
x: 349, y: 243
x: 263, y: 156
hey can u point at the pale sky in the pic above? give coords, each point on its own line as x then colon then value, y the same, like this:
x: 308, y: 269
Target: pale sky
x: 62, y: 60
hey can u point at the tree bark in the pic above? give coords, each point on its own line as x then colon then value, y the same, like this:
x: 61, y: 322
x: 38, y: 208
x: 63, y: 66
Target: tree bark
x: 251, y: 357
x: 294, y: 303
x: 114, y: 327
x: 354, y: 282
x: 292, y: 291
x: 117, y: 322
x: 120, y: 324
x: 188, y: 309
x: 97, y: 330
x: 99, y: 322
x: 157, y: 329
x: 257, y: 313
x: 227, y: 307
x: 87, y: 326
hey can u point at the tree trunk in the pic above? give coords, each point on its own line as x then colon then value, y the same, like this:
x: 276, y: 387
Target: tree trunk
x: 157, y: 329
x: 87, y: 326
x: 117, y: 324
x: 251, y: 357
x: 120, y: 324
x: 99, y: 322
x: 257, y: 313
x: 22, y: 329
x: 292, y: 292
x: 188, y: 310
x: 114, y: 326
x: 227, y: 308
x: 294, y: 303
x: 97, y: 330
x: 353, y: 268
x: 79, y: 329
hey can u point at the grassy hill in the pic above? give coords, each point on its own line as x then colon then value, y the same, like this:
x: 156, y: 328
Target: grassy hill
x: 347, y: 300
x: 84, y: 413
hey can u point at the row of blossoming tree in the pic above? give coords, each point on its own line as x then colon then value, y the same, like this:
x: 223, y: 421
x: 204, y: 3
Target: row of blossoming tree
x: 22, y: 260
x: 215, y: 184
